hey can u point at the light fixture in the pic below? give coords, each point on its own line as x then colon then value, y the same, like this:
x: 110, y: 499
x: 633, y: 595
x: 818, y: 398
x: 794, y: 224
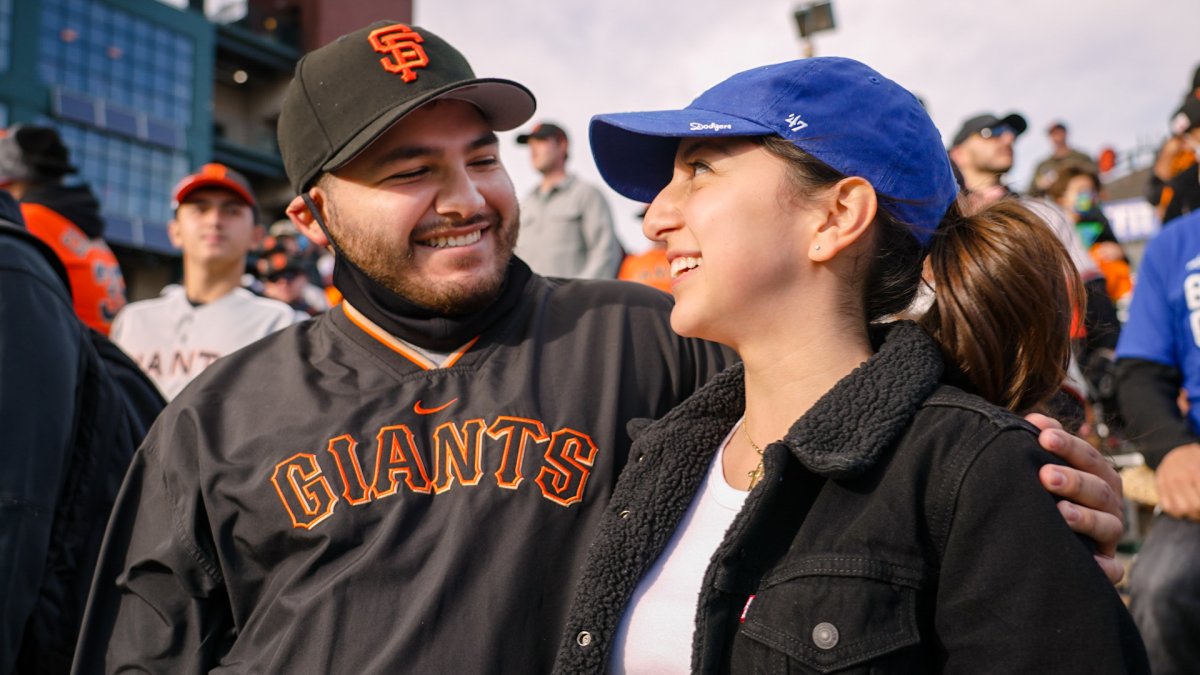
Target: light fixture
x: 240, y: 76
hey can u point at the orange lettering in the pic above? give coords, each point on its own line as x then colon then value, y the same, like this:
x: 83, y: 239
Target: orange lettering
x: 398, y: 454
x: 516, y: 432
x: 457, y: 455
x: 569, y: 460
x: 303, y: 490
x: 343, y: 448
x: 403, y: 47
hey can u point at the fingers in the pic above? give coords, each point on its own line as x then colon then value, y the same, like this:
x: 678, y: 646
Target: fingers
x: 1112, y: 568
x: 1089, y: 505
x: 1079, y: 454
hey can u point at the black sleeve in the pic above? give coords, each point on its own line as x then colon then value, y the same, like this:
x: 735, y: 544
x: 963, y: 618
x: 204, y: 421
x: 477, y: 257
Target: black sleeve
x: 1154, y: 190
x: 1103, y: 326
x: 40, y: 346
x: 158, y: 601
x: 1148, y: 393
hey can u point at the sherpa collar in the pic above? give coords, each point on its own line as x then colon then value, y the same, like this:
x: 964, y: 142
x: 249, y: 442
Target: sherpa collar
x: 847, y: 430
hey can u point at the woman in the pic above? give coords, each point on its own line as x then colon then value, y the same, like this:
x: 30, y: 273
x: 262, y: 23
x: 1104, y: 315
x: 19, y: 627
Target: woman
x: 895, y: 526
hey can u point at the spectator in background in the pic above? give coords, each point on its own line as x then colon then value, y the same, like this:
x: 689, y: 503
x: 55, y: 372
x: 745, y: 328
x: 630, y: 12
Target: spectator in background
x: 1061, y: 157
x: 566, y: 227
x: 178, y: 334
x: 33, y: 163
x: 1077, y: 191
x: 1159, y: 353
x: 283, y: 237
x: 283, y: 279
x: 651, y: 267
x: 1175, y: 178
x: 982, y: 151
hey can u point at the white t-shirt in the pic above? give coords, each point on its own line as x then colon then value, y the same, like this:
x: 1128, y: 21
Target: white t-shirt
x: 173, y: 341
x: 655, y: 635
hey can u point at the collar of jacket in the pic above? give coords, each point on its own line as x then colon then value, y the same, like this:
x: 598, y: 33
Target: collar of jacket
x: 847, y: 430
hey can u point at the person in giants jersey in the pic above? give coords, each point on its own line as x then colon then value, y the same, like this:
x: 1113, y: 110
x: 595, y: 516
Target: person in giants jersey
x: 181, y: 332
x: 410, y: 481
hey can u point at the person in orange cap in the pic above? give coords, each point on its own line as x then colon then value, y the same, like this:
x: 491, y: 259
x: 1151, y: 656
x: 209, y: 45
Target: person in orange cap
x: 178, y: 334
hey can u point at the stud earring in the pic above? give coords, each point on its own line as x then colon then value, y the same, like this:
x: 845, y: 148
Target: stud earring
x: 817, y: 247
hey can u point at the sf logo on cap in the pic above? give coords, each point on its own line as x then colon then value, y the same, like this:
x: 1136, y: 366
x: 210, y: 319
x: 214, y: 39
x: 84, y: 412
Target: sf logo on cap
x: 403, y: 47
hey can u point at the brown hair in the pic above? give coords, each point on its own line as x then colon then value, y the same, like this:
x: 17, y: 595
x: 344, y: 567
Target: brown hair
x: 1059, y: 187
x: 1006, y: 289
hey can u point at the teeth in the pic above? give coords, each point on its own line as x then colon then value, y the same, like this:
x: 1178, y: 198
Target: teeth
x: 453, y: 242
x: 681, y: 265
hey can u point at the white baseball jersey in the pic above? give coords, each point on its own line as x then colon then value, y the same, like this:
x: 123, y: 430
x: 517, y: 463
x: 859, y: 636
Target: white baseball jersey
x: 173, y: 341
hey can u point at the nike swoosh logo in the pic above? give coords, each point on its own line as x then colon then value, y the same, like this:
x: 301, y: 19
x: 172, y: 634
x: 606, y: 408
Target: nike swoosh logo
x: 422, y: 410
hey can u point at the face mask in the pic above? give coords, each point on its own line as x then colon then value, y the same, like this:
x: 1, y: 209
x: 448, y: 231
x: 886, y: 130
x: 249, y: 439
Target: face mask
x: 1084, y: 202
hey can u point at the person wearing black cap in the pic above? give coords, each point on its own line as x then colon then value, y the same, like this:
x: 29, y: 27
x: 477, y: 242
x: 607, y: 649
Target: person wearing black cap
x: 176, y: 335
x: 33, y: 164
x: 566, y: 225
x: 409, y: 481
x: 982, y: 151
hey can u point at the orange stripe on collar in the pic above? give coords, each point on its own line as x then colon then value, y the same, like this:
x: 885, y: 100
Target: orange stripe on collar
x: 391, y: 342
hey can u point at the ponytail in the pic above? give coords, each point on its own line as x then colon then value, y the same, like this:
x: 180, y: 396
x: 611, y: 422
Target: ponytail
x: 1006, y: 294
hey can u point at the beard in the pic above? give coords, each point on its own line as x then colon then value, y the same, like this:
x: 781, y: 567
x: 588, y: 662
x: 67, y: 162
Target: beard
x: 394, y: 268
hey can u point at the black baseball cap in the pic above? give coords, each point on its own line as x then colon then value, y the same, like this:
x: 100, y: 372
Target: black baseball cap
x: 543, y: 130
x: 1188, y: 116
x: 988, y: 121
x: 349, y: 92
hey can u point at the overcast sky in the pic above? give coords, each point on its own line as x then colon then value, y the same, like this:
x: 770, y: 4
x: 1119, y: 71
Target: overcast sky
x: 1113, y: 71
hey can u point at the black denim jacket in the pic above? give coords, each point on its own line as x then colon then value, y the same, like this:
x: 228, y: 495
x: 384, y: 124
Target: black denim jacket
x: 900, y: 528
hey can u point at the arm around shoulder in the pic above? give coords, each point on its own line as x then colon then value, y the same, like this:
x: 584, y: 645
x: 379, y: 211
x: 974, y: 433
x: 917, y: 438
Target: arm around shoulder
x: 1018, y: 591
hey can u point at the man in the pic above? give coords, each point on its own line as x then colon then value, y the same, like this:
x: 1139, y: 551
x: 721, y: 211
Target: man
x: 421, y: 488
x: 566, y: 227
x: 1159, y: 353
x: 1063, y: 156
x: 33, y: 163
x: 283, y: 279
x: 177, y: 335
x: 982, y: 151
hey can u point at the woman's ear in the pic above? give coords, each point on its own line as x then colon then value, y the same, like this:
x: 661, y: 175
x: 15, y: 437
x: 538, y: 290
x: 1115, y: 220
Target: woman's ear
x: 301, y: 215
x: 850, y: 210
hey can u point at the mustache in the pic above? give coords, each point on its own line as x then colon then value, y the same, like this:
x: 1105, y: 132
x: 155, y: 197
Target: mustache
x: 439, y: 224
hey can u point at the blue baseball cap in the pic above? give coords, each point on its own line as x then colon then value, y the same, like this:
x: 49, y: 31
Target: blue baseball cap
x: 838, y: 110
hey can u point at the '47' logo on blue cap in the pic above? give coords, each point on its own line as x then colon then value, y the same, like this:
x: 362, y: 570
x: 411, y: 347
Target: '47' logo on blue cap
x: 795, y: 123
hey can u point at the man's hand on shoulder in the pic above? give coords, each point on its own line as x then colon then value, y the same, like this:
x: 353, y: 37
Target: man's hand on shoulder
x: 1178, y: 478
x: 1090, y: 489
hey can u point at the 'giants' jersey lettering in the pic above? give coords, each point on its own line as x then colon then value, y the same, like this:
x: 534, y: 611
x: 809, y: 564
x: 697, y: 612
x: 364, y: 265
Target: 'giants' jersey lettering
x: 1191, y: 291
x: 455, y: 453
x: 178, y: 362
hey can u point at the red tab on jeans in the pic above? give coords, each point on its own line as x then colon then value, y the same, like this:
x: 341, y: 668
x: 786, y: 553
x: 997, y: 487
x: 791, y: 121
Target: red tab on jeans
x: 746, y: 609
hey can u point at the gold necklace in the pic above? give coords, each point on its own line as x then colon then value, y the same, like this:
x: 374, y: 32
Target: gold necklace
x: 757, y: 474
